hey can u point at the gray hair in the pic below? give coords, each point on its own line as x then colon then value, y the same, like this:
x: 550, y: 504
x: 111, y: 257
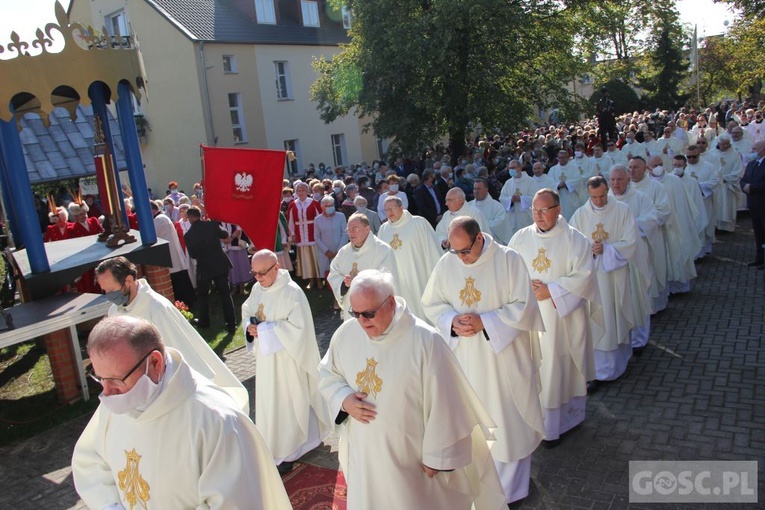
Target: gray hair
x: 360, y: 201
x: 139, y: 334
x: 373, y: 281
x: 725, y: 137
x: 327, y: 200
x: 394, y: 198
x: 361, y: 217
x: 619, y: 168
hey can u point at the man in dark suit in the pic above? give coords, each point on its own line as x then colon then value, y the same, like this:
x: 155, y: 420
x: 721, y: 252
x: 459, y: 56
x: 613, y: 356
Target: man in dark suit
x: 753, y: 184
x: 442, y: 182
x: 429, y: 200
x: 203, y: 244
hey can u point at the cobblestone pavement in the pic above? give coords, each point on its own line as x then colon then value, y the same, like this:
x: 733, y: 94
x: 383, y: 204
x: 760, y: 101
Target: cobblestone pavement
x: 697, y: 393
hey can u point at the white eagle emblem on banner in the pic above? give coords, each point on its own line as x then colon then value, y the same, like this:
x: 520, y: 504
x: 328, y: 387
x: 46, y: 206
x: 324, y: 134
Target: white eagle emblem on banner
x: 243, y: 182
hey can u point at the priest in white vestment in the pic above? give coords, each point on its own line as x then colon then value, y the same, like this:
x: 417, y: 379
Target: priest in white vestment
x: 600, y: 164
x: 648, y: 225
x: 668, y: 232
x: 278, y: 328
x: 560, y: 263
x: 517, y: 193
x: 567, y: 177
x: 615, y: 154
x: 682, y: 242
x: 165, y: 436
x: 493, y: 211
x: 413, y: 432
x: 708, y: 177
x: 632, y: 147
x: 416, y: 249
x: 457, y: 206
x: 612, y: 231
x: 729, y: 197
x: 479, y: 296
x: 118, y: 278
x: 364, y: 251
x: 541, y: 180
x: 668, y: 147
x: 694, y: 196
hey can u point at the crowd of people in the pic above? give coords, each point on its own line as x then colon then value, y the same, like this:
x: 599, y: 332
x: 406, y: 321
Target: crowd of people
x: 481, y: 303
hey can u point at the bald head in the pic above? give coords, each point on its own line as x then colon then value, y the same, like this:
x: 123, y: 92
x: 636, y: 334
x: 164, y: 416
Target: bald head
x: 654, y: 161
x: 266, y: 256
x: 265, y: 267
x: 455, y: 199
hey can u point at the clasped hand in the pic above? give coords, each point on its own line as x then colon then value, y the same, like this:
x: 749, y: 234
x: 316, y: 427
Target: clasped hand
x: 467, y: 324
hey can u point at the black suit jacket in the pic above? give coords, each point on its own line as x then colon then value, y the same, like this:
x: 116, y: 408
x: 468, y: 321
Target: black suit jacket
x: 426, y: 207
x: 442, y: 187
x: 203, y: 244
x: 754, y: 176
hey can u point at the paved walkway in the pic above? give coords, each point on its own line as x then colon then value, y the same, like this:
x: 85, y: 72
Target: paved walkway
x: 697, y: 393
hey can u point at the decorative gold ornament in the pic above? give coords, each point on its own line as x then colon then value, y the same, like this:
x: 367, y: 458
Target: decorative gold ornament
x: 470, y: 295
x: 562, y: 178
x: 693, y: 174
x: 260, y: 314
x: 395, y: 242
x: 541, y: 263
x: 600, y: 233
x: 135, y: 488
x: 367, y: 380
x: 62, y: 79
x: 354, y: 270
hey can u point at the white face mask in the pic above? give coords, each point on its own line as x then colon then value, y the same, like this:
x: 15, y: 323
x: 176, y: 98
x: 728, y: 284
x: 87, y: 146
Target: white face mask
x: 359, y: 208
x: 140, y: 395
x: 578, y: 154
x: 657, y: 172
x: 337, y: 190
x: 678, y: 171
x: 330, y: 210
x: 393, y: 188
x: 630, y: 140
x: 287, y: 199
x: 752, y: 156
x: 317, y: 196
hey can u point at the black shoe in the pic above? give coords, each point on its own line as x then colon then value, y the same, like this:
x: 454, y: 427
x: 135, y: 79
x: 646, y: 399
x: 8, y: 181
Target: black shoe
x: 638, y: 351
x: 592, y: 386
x: 755, y: 263
x: 551, y: 443
x: 284, y: 467
x: 201, y: 325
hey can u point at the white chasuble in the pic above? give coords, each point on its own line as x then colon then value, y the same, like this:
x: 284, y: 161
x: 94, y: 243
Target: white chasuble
x: 179, y: 334
x: 287, y: 398
x: 495, y: 216
x: 569, y: 194
x: 427, y: 413
x: 442, y: 229
x: 728, y: 199
x: 190, y: 448
x: 683, y: 241
x: 373, y: 254
x: 417, y: 250
x: 502, y: 368
x: 615, y: 226
x: 519, y: 211
x: 562, y: 259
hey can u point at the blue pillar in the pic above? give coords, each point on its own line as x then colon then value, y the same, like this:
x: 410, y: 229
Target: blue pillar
x: 22, y: 199
x: 98, y: 97
x: 135, y: 164
x: 9, y: 212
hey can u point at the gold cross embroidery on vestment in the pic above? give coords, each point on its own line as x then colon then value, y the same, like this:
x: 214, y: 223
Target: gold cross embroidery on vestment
x: 470, y: 295
x: 260, y: 314
x: 354, y: 270
x: 367, y: 380
x: 600, y: 233
x: 136, y: 489
x: 541, y: 263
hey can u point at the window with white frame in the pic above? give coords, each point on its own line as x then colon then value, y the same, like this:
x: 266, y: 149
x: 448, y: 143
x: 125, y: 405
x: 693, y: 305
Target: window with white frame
x: 347, y: 17
x: 283, y: 82
x: 338, y: 149
x: 264, y: 11
x: 237, y: 117
x: 117, y: 24
x: 382, y: 147
x: 229, y: 64
x: 294, y: 146
x: 310, y: 10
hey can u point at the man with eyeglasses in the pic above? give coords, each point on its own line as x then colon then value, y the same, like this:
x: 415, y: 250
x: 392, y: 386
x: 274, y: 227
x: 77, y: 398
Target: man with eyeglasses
x: 620, y: 265
x: 416, y: 249
x: 278, y: 328
x: 613, y: 152
x: 560, y: 262
x: 164, y: 436
x: 133, y: 296
x: 480, y: 298
x: 414, y: 433
x: 709, y: 179
x: 457, y: 205
x: 364, y: 251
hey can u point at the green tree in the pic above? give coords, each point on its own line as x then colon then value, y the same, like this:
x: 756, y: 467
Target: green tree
x: 716, y: 76
x: 417, y: 70
x: 746, y: 43
x: 664, y: 66
x: 749, y: 8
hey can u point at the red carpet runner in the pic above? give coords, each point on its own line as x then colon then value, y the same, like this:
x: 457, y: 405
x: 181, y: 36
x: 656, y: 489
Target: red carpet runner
x: 315, y: 488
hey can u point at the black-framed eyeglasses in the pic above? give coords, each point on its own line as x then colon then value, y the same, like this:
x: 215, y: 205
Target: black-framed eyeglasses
x: 542, y: 210
x: 369, y: 314
x: 466, y: 250
x: 263, y: 273
x: 114, y: 380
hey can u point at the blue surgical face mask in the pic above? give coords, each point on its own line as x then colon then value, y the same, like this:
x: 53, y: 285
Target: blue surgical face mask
x: 330, y: 210
x: 118, y: 297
